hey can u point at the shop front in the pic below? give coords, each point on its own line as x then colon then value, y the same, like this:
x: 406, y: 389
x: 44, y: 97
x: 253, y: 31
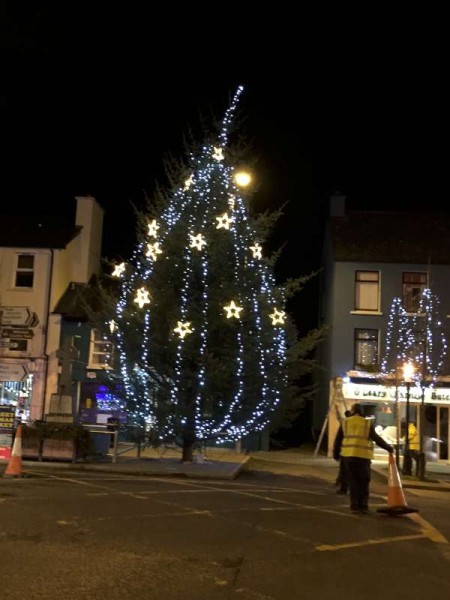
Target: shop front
x: 388, y: 406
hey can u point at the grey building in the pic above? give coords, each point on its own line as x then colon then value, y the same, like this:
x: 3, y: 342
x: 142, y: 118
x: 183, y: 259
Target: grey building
x: 370, y: 259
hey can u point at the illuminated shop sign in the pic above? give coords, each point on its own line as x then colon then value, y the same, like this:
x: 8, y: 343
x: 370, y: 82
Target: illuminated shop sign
x: 366, y: 392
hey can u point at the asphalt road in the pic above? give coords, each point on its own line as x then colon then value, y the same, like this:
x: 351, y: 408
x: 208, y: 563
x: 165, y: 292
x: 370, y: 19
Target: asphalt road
x: 264, y: 536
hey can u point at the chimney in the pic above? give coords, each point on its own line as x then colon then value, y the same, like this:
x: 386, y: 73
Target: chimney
x: 337, y: 205
x: 89, y: 216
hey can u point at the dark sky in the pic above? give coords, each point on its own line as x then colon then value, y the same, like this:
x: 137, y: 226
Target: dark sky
x: 93, y: 101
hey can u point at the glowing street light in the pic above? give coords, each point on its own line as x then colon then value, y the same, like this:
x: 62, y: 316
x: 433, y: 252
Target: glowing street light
x: 242, y: 178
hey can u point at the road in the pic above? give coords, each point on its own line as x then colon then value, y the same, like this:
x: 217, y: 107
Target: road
x: 264, y: 536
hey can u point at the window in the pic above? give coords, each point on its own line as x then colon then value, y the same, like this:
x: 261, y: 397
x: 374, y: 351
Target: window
x: 101, y: 351
x: 367, y: 288
x: 413, y: 286
x: 366, y: 349
x: 25, y: 271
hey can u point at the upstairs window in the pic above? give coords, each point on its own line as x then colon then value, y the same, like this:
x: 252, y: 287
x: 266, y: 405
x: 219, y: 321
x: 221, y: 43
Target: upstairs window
x: 24, y: 271
x: 366, y: 350
x: 367, y: 291
x: 101, y: 351
x: 413, y: 286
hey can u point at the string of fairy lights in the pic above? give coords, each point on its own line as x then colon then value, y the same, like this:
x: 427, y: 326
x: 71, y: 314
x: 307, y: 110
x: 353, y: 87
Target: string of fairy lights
x: 208, y: 199
x: 417, y: 339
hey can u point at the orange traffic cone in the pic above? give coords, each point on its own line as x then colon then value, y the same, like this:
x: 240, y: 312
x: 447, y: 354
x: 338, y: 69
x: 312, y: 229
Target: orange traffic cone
x: 396, y: 498
x: 14, y: 467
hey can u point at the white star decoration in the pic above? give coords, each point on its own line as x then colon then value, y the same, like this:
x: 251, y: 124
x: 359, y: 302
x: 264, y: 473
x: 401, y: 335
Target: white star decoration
x: 197, y: 241
x: 277, y: 317
x: 142, y: 297
x: 188, y: 182
x: 218, y: 154
x: 153, y: 250
x: 183, y: 328
x: 118, y: 270
x: 152, y: 228
x: 256, y: 249
x: 232, y: 310
x: 223, y: 221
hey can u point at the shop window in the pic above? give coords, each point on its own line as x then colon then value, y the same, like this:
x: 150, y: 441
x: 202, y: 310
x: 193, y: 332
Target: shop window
x: 101, y: 351
x: 367, y: 290
x: 413, y: 286
x: 366, y: 350
x: 24, y: 271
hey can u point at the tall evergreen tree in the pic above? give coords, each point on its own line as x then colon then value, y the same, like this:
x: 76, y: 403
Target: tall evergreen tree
x: 427, y: 342
x: 396, y: 339
x: 206, y: 347
x: 419, y: 339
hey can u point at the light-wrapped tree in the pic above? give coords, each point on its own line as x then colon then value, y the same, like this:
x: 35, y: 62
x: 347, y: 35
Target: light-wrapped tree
x: 207, y: 350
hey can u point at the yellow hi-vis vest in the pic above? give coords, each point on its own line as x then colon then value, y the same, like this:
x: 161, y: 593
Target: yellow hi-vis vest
x: 413, y: 437
x: 356, y: 441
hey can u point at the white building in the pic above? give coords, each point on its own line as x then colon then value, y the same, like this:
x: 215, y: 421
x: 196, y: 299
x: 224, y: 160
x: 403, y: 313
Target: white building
x: 39, y: 258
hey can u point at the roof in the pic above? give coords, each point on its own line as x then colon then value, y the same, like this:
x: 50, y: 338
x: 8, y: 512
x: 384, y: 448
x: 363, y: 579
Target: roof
x: 36, y: 232
x: 72, y: 304
x: 415, y: 238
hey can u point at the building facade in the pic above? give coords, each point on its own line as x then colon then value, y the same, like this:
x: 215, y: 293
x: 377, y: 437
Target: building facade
x: 372, y: 260
x: 39, y: 259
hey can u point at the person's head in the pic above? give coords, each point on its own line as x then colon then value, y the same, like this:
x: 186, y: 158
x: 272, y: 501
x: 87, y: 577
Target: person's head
x: 356, y: 410
x: 347, y: 413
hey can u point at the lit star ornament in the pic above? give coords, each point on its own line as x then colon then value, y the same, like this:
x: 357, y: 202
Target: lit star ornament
x: 218, y: 154
x: 153, y: 228
x: 153, y: 250
x: 256, y: 249
x: 223, y: 221
x: 232, y: 310
x: 278, y: 317
x: 119, y: 270
x: 142, y: 297
x: 189, y: 181
x: 183, y: 329
x: 197, y: 241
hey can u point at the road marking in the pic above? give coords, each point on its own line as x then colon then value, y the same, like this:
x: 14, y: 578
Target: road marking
x: 387, y: 540
x: 429, y: 531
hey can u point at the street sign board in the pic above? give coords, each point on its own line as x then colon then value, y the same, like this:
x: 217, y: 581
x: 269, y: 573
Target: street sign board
x: 23, y: 334
x: 18, y: 316
x: 13, y: 371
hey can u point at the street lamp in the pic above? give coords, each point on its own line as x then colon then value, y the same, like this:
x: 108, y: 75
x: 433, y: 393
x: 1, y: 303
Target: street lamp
x: 408, y: 372
x: 243, y: 178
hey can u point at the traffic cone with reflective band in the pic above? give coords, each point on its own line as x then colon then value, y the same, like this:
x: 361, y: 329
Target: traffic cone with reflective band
x: 14, y: 468
x: 396, y: 498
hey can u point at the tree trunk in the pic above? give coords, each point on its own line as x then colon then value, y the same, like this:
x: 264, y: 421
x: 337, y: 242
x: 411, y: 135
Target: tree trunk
x: 188, y: 446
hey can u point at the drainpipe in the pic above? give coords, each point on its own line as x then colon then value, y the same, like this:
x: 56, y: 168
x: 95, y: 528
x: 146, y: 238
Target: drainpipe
x: 46, y: 331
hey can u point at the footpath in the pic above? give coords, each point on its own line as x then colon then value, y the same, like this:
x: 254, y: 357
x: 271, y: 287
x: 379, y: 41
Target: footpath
x: 227, y: 464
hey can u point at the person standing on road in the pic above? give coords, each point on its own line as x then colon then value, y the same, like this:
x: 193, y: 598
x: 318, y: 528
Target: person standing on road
x: 354, y: 446
x: 341, y: 480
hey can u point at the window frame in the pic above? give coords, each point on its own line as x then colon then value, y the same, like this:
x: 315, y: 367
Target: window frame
x: 24, y: 270
x: 357, y: 339
x: 368, y: 283
x: 93, y: 340
x: 421, y: 285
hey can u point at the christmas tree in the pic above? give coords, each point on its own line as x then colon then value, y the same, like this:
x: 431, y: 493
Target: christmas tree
x: 204, y: 340
x: 418, y: 339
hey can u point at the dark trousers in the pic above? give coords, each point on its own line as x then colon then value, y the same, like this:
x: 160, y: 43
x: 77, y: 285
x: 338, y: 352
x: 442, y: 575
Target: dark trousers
x: 341, y: 480
x: 358, y: 479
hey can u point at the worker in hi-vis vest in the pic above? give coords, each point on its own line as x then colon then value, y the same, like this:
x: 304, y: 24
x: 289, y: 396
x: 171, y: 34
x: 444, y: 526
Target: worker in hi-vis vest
x: 413, y: 441
x: 354, y: 447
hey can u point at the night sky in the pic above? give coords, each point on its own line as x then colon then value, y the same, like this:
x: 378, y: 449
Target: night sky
x: 93, y: 102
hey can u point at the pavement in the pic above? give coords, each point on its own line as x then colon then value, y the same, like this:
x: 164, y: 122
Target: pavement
x: 227, y: 464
